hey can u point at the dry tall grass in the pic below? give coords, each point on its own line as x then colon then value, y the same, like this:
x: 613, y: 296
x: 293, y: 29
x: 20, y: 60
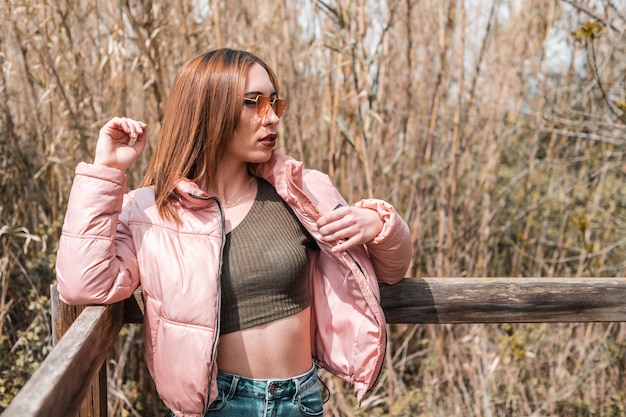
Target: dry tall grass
x: 495, y: 127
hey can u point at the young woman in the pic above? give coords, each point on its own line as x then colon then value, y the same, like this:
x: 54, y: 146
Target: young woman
x: 254, y: 271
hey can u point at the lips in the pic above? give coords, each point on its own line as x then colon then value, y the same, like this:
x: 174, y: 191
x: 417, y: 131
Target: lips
x: 268, y: 140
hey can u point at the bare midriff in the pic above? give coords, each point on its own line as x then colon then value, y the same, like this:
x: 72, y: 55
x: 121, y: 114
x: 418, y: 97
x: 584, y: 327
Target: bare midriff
x: 276, y: 350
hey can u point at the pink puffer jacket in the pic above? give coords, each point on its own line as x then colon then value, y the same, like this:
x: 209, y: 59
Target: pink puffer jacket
x: 112, y: 242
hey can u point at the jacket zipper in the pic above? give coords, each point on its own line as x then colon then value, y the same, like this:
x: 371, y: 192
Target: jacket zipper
x: 219, y: 301
x: 302, y: 195
x: 380, y: 369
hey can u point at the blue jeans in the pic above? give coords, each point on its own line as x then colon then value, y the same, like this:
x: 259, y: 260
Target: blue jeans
x: 246, y: 397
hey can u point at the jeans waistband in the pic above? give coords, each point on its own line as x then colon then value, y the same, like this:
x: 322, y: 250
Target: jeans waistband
x: 267, y: 388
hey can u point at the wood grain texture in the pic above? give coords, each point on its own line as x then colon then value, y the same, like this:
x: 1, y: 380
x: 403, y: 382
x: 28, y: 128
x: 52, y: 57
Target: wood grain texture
x: 505, y: 300
x: 61, y: 383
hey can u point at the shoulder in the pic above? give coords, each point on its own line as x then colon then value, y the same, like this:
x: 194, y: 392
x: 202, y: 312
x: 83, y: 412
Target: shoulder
x: 142, y: 197
x: 319, y: 184
x: 139, y: 206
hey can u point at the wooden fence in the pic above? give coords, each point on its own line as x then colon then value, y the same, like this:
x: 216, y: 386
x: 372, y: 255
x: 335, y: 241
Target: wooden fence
x: 72, y: 379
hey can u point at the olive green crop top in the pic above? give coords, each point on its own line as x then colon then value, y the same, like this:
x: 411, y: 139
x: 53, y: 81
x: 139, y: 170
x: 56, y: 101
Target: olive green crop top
x: 264, y: 270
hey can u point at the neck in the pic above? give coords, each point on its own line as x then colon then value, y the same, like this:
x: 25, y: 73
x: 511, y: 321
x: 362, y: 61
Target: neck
x: 234, y: 186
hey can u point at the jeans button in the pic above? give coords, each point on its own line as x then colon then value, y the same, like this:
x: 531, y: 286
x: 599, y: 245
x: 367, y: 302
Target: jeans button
x: 272, y: 389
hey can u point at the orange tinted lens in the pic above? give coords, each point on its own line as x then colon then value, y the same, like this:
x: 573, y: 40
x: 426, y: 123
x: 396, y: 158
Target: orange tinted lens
x: 262, y: 104
x: 279, y: 106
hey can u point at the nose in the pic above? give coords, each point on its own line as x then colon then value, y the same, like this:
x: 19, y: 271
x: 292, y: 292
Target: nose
x: 270, y: 116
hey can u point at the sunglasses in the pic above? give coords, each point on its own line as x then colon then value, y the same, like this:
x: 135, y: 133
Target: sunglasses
x: 263, y: 104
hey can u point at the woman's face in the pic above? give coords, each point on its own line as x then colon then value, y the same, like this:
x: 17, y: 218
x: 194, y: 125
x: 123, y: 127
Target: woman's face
x: 255, y: 137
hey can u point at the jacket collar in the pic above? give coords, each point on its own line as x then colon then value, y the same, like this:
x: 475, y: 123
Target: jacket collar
x: 190, y: 196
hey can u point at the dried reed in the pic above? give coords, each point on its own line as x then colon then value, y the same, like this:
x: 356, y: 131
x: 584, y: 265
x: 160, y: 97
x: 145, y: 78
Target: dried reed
x: 496, y: 128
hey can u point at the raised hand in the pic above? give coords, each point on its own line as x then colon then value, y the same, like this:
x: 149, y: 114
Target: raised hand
x: 350, y: 226
x: 120, y: 142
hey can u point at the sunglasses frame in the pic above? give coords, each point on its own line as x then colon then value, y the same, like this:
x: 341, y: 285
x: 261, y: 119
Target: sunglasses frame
x: 279, y: 105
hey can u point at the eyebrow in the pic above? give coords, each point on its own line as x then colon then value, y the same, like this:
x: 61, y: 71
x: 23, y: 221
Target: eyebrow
x: 256, y: 93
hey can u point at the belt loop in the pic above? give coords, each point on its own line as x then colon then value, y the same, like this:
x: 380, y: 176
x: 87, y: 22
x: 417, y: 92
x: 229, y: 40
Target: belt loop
x: 233, y: 387
x: 297, y: 390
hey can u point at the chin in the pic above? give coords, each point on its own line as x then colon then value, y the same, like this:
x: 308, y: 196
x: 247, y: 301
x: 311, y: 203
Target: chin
x: 261, y: 158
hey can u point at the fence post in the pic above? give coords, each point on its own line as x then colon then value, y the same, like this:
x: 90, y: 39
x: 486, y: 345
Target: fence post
x: 63, y: 315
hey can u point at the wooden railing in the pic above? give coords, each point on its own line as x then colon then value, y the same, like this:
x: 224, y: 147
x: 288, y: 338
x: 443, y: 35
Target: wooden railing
x: 72, y: 379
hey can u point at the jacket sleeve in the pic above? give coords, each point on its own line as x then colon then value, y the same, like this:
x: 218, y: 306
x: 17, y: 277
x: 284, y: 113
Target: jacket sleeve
x: 96, y: 261
x: 391, y: 250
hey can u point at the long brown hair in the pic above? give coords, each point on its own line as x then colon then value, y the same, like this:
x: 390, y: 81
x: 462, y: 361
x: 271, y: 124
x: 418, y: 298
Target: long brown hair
x: 203, y: 110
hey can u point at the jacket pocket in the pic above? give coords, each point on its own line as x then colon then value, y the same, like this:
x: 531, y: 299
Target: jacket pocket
x: 182, y: 363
